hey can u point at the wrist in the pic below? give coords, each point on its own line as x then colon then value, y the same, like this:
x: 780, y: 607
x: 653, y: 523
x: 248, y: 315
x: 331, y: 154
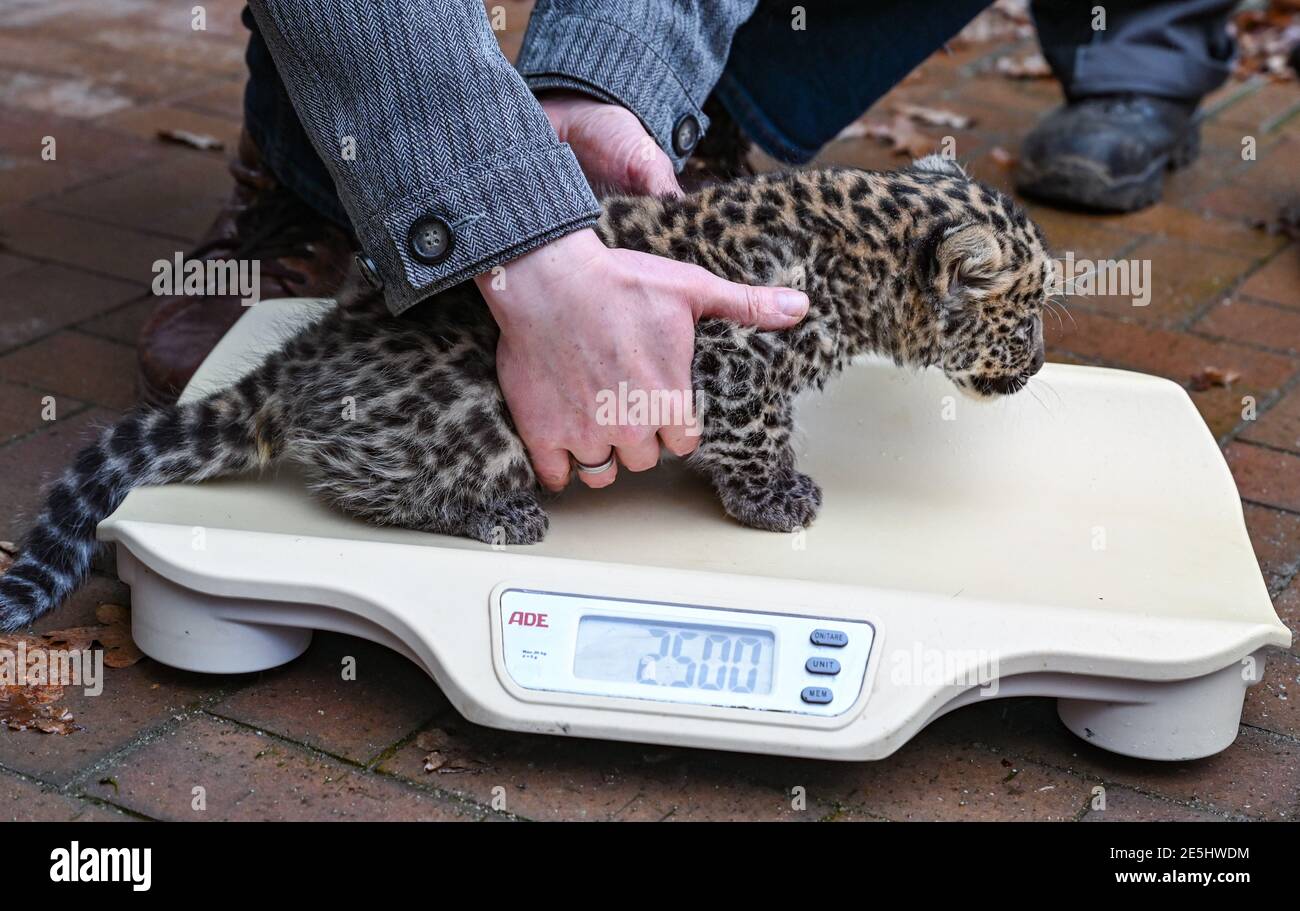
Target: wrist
x: 522, y: 284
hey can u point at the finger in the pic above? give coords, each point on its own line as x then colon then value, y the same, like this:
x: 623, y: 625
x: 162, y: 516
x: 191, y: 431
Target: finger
x: 640, y: 456
x: 680, y: 440
x: 551, y: 466
x: 650, y: 172
x: 596, y: 455
x: 749, y: 305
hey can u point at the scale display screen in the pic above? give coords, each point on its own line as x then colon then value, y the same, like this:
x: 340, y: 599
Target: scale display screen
x: 678, y: 655
x: 692, y: 655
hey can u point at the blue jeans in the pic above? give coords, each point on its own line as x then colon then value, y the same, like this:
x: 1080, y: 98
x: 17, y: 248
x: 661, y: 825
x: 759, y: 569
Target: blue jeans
x: 792, y: 91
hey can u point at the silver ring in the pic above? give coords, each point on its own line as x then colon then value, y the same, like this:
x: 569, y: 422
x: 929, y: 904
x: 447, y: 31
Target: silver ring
x: 596, y: 469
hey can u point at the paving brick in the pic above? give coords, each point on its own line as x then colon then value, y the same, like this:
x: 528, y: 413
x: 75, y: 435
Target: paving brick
x: 1276, y: 539
x: 1086, y: 236
x: 45, y: 296
x: 1258, y: 776
x: 246, y: 776
x: 1253, y: 111
x: 1183, y: 279
x: 177, y: 197
x: 81, y: 152
x: 1177, y: 356
x: 223, y: 98
x: 1127, y: 805
x: 1198, y: 229
x: 77, y: 365
x: 47, y: 71
x: 27, y: 801
x: 943, y: 774
x: 134, y: 701
x: 28, y: 463
x: 1287, y: 605
x: 1259, y: 191
x: 21, y: 410
x: 1266, y: 476
x: 1244, y: 320
x: 561, y: 778
x: 1274, y: 703
x: 309, y: 701
x: 107, y: 249
x: 162, y: 39
x: 123, y: 324
x: 1279, y: 280
x: 146, y: 120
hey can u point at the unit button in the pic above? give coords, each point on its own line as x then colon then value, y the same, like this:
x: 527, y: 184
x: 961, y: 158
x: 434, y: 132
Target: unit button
x: 832, y: 637
x: 817, y: 665
x: 816, y: 695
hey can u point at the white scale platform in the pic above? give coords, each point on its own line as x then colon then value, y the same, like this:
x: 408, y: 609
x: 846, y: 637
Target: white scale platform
x: 1085, y: 542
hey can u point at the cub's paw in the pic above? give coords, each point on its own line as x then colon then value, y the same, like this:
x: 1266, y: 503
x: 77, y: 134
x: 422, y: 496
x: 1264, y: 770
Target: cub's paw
x: 516, y: 518
x: 783, y: 502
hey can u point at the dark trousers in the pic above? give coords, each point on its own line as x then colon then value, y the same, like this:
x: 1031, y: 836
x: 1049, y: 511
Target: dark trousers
x: 793, y: 90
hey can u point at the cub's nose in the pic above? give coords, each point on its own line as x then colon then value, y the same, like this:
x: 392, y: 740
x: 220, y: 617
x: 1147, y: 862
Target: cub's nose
x: 1036, y: 364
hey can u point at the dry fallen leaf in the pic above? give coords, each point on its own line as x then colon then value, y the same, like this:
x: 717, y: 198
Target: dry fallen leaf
x: 114, y: 634
x: 7, y: 553
x: 935, y: 117
x: 1207, y: 377
x: 902, y: 136
x: 32, y: 703
x: 200, y: 141
x: 1002, y: 157
x: 1286, y: 224
x: 1032, y: 67
x: 1003, y: 21
x: 444, y: 755
x: 1267, y: 39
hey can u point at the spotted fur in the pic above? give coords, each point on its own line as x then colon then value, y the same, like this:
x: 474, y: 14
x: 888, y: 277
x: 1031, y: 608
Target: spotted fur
x: 923, y: 265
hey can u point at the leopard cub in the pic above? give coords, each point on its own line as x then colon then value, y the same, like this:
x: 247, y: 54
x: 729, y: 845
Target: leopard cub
x: 923, y: 265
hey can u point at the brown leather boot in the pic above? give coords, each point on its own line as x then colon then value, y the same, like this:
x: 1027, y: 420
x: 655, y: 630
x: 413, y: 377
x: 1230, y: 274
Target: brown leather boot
x: 300, y: 253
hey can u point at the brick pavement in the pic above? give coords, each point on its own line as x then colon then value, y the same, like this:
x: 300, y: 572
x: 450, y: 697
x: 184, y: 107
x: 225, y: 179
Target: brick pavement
x: 80, y: 232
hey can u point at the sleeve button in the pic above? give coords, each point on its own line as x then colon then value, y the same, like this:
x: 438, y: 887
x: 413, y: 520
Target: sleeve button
x: 686, y: 134
x: 430, y: 240
x: 369, y: 271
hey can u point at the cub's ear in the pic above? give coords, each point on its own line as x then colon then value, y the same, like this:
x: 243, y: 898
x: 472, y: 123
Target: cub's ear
x: 938, y: 164
x: 959, y: 262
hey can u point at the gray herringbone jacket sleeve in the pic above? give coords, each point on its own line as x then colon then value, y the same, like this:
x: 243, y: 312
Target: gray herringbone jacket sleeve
x: 657, y: 58
x: 422, y: 121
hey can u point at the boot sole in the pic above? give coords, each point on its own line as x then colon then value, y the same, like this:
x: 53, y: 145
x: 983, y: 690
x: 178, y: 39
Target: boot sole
x: 1078, y: 182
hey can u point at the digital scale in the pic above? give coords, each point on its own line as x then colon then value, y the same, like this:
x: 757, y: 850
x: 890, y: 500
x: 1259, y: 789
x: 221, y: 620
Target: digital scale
x: 1082, y: 540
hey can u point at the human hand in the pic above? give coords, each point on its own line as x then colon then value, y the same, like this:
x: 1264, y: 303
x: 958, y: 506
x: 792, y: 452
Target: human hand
x: 612, y: 146
x: 578, y: 318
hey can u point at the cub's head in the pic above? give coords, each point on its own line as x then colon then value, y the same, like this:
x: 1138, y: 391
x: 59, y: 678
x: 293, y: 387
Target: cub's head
x: 984, y: 273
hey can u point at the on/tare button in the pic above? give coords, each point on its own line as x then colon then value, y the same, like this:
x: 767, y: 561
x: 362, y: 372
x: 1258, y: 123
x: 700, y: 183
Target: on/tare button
x: 816, y: 695
x: 817, y: 665
x: 833, y: 637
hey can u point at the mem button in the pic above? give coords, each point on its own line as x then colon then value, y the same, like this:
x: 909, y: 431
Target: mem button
x: 816, y: 695
x: 816, y: 665
x: 832, y: 637
x: 430, y: 240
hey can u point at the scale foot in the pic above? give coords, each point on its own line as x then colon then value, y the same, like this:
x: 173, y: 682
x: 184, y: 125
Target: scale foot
x: 1174, y: 721
x: 184, y: 628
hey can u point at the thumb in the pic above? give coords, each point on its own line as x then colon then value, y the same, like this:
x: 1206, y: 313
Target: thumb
x: 651, y: 174
x: 750, y: 305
